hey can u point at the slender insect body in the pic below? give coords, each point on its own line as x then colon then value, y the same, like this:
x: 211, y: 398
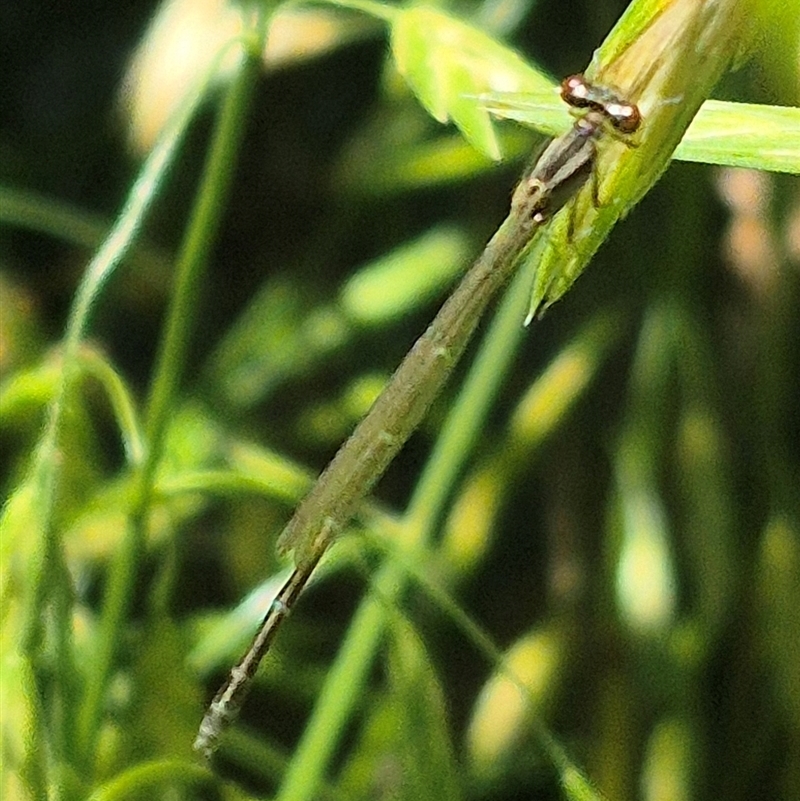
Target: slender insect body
x: 565, y: 165
x: 220, y: 714
x: 278, y: 607
x: 555, y: 177
x: 224, y: 708
x: 386, y: 437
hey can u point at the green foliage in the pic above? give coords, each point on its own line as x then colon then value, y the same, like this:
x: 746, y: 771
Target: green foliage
x: 641, y: 467
x: 724, y: 133
x: 447, y: 64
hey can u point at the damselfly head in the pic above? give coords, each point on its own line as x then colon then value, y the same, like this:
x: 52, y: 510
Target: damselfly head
x: 579, y: 93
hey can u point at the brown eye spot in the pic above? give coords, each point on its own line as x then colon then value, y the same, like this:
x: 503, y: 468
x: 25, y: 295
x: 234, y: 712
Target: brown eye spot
x: 631, y: 120
x: 575, y: 91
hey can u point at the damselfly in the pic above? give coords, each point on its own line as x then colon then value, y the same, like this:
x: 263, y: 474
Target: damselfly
x: 553, y: 179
